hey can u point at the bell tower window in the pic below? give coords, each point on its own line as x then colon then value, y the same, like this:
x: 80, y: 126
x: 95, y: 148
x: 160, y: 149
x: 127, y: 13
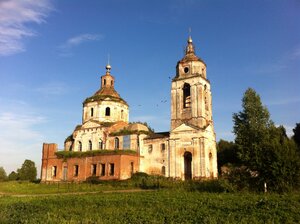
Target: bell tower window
x: 79, y: 146
x: 186, y: 95
x: 107, y: 111
x: 186, y: 69
x: 104, y: 82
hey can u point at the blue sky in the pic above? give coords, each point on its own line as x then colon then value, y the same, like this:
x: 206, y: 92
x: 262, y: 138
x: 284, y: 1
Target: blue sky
x: 52, y: 54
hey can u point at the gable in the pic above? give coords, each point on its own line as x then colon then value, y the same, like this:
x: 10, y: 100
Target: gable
x: 184, y: 128
x: 90, y: 124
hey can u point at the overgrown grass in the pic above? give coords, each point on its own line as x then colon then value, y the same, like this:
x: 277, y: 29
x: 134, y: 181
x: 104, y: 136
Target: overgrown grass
x: 162, y: 206
x: 24, y: 187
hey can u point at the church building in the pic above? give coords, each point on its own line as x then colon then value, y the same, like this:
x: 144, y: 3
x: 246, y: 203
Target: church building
x: 107, y: 146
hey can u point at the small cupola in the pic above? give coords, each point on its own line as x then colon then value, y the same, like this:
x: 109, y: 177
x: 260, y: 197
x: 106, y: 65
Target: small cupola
x: 107, y: 80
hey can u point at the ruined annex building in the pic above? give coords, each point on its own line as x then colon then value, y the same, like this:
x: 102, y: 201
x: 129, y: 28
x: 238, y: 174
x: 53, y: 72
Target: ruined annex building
x: 107, y: 146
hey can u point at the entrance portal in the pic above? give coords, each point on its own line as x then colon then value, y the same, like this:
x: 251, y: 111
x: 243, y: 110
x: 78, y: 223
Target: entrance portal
x: 187, y: 165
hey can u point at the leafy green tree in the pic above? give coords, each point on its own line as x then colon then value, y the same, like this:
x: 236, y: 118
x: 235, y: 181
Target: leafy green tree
x: 227, y: 153
x: 296, y: 135
x: 3, y: 175
x: 251, y: 128
x: 28, y: 171
x: 265, y: 150
x: 13, y: 176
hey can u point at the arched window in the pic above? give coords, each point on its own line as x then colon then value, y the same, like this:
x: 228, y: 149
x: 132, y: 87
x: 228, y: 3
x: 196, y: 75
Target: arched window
x: 100, y: 144
x: 79, y: 146
x: 117, y: 143
x: 112, y: 82
x: 90, y: 145
x: 107, y: 111
x: 92, y: 112
x: 163, y: 170
x: 122, y: 114
x: 104, y: 82
x: 186, y: 95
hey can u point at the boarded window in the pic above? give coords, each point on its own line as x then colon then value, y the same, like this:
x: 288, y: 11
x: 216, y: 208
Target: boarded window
x: 163, y: 170
x: 131, y: 168
x: 150, y: 148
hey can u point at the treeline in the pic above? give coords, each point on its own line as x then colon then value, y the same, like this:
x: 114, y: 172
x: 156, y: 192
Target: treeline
x: 262, y: 156
x: 27, y: 171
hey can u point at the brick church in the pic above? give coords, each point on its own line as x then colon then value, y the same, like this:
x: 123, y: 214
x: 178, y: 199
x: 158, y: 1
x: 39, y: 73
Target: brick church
x: 107, y: 146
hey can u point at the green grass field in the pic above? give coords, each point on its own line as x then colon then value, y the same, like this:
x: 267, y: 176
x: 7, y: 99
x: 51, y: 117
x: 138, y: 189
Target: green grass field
x: 157, y: 206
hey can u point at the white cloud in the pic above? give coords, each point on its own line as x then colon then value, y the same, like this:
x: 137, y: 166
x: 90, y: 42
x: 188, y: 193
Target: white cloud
x: 280, y: 102
x: 14, y: 19
x: 20, y: 138
x: 78, y: 40
x: 52, y: 89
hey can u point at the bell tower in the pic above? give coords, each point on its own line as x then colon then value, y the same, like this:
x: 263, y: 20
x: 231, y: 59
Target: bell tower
x: 190, y: 92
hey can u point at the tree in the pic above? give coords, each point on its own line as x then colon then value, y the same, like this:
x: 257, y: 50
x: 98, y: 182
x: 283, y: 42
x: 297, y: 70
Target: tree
x: 13, y: 176
x: 251, y: 127
x: 264, y: 149
x: 296, y: 135
x: 28, y: 171
x: 227, y: 153
x: 3, y: 175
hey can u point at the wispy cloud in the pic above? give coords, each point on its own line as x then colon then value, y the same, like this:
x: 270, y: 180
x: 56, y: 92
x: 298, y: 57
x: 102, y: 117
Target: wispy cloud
x: 19, y: 139
x: 15, y: 17
x: 280, y: 102
x: 76, y: 41
x: 52, y: 89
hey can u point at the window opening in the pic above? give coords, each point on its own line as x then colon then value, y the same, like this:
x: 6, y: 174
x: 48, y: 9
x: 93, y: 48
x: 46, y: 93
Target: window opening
x: 94, y: 169
x: 100, y: 144
x: 117, y: 143
x: 76, y: 170
x: 54, y: 170
x: 107, y: 111
x: 186, y: 95
x: 111, y: 169
x: 102, y: 166
x: 163, y: 147
x: 90, y: 145
x: 79, y: 146
x: 92, y: 112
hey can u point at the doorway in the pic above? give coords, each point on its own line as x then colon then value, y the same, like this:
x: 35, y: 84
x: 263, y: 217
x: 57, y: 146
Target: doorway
x: 187, y: 166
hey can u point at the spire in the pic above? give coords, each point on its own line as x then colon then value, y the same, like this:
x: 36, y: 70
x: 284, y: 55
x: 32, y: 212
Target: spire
x: 108, y: 67
x: 190, y: 47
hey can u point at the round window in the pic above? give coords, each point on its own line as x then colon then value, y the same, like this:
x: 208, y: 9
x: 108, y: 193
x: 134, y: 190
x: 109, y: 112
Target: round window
x: 186, y: 70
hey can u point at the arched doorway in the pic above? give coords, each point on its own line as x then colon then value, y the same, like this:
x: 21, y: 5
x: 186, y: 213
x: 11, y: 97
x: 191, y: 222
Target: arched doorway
x: 187, y: 165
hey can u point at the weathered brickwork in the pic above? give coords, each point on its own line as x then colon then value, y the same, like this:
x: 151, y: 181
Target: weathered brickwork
x: 187, y: 151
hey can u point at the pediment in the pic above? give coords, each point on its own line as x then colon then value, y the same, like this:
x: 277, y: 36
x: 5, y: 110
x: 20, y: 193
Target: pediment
x: 91, y: 124
x: 184, y: 128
